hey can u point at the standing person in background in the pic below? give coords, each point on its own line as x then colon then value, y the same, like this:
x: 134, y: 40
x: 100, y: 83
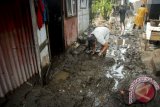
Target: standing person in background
x: 112, y: 18
x: 139, y: 18
x: 131, y: 8
x: 122, y: 13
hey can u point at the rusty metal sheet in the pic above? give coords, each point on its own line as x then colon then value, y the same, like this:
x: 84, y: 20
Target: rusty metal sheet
x: 70, y: 30
x: 17, y: 50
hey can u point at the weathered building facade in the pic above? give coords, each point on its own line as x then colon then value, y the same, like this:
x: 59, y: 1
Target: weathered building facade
x: 18, y: 59
x: 29, y: 39
x: 83, y: 15
x: 153, y: 6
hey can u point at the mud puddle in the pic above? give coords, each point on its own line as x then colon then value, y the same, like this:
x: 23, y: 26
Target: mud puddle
x: 61, y: 75
x: 82, y: 80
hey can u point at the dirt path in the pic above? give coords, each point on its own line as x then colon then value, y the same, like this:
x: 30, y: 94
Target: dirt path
x: 82, y: 80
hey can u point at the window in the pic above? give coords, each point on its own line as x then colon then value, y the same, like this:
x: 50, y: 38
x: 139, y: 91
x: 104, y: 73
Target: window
x: 71, y: 9
x: 83, y: 4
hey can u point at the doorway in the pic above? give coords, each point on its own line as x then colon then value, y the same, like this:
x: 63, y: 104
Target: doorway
x: 55, y: 27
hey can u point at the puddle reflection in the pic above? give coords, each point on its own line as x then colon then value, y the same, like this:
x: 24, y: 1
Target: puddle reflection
x: 117, y: 51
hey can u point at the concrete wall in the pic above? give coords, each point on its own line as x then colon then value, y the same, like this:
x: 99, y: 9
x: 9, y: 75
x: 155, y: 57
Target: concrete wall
x: 153, y: 1
x: 83, y: 17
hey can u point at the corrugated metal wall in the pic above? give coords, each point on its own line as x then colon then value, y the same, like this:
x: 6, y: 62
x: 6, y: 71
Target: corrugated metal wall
x: 17, y: 50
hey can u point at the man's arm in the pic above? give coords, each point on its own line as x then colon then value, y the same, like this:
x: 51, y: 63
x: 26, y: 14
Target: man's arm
x: 94, y: 48
x: 119, y: 12
x: 126, y: 13
x: 104, y: 48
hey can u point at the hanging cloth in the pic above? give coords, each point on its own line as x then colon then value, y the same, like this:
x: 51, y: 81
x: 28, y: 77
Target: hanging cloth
x: 39, y: 13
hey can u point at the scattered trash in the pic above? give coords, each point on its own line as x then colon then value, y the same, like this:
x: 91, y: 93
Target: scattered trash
x: 28, y: 83
x: 76, y: 45
x: 84, y: 80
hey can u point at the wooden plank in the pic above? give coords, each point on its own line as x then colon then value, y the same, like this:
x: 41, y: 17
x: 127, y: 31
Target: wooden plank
x: 155, y: 36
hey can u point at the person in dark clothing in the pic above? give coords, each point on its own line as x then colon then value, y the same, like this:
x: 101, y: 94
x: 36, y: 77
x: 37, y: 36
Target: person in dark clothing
x: 122, y: 13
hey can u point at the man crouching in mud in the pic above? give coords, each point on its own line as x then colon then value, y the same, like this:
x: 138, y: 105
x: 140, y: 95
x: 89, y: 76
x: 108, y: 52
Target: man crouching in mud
x: 100, y: 35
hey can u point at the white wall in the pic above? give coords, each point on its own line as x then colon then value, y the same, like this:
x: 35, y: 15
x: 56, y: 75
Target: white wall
x: 44, y: 54
x: 153, y: 2
x: 39, y: 37
x: 122, y: 2
x: 83, y: 18
x: 137, y: 4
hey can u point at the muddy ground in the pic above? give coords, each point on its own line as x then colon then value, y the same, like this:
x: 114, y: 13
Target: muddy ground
x: 83, y: 80
x: 79, y: 79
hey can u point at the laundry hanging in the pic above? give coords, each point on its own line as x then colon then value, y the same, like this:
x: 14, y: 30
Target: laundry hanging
x: 39, y: 6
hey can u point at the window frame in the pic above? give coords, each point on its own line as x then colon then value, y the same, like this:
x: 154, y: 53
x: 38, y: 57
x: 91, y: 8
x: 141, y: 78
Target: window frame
x: 72, y: 10
x: 83, y: 6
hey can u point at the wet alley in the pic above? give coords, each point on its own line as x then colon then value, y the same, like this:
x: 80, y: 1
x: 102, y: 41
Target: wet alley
x: 62, y: 71
x: 84, y: 80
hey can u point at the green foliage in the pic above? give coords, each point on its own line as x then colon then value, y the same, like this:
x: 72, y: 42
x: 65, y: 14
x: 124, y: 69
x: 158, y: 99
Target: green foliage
x: 101, y: 6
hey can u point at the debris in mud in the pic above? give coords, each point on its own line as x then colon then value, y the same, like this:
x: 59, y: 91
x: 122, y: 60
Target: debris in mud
x: 84, y: 80
x: 109, y: 61
x: 151, y: 60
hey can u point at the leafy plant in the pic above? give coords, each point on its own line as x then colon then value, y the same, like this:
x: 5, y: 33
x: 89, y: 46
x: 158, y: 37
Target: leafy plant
x: 101, y: 7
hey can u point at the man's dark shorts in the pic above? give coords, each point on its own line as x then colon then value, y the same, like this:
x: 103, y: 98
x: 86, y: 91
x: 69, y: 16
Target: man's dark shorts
x: 122, y: 20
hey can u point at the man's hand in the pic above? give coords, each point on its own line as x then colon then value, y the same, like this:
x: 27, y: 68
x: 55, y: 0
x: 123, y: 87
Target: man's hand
x: 99, y: 54
x: 104, y: 48
x: 93, y: 52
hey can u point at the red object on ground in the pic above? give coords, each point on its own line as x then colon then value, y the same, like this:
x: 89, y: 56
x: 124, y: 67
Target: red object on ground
x: 150, y: 94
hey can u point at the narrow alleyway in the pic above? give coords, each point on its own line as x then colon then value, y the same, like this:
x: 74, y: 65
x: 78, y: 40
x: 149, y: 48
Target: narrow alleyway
x: 83, y: 80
